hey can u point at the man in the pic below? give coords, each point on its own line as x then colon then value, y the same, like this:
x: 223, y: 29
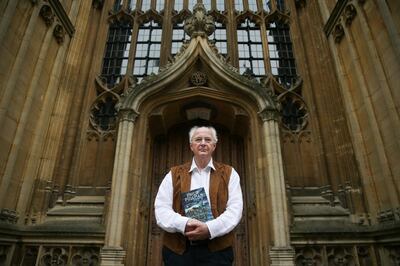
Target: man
x: 189, y: 241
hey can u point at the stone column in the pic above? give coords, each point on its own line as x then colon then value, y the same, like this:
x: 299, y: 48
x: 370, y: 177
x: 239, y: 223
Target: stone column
x: 281, y: 253
x: 113, y: 253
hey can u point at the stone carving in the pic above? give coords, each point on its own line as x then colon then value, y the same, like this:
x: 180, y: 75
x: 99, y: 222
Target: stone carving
x: 394, y: 255
x: 54, y: 256
x: 86, y: 256
x: 199, y: 24
x: 8, y: 216
x: 198, y: 78
x: 47, y: 15
x: 309, y: 256
x: 338, y: 33
x: 349, y: 14
x: 340, y: 256
x: 59, y: 33
x: 98, y: 4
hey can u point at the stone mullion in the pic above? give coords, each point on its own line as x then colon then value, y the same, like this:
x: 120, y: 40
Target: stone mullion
x: 113, y: 252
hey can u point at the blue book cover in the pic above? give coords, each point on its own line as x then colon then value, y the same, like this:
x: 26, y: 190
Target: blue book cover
x: 195, y: 205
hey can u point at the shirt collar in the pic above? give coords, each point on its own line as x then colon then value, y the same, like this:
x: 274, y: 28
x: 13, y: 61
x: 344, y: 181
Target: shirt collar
x: 194, y: 166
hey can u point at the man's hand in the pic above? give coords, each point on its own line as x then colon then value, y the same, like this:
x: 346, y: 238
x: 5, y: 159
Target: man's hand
x: 196, y: 230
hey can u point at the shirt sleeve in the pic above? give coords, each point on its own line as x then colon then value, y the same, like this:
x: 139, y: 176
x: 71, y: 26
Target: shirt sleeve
x: 230, y: 218
x: 166, y: 217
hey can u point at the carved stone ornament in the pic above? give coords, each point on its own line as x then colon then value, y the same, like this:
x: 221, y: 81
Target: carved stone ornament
x: 199, y: 24
x: 98, y: 4
x: 349, y: 14
x: 59, y: 33
x: 269, y: 114
x: 47, y: 14
x: 127, y: 115
x: 300, y: 3
x: 338, y: 33
x: 198, y: 78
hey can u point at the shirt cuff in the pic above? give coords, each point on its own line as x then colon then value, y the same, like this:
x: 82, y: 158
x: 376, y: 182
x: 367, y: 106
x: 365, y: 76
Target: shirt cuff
x: 181, y: 224
x: 212, y: 228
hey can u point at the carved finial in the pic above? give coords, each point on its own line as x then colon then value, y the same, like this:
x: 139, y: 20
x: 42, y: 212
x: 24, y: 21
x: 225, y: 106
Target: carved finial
x: 199, y: 24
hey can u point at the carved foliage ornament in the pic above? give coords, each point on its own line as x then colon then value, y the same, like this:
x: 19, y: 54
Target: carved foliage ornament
x: 199, y: 24
x: 59, y: 33
x: 47, y: 15
x: 198, y: 78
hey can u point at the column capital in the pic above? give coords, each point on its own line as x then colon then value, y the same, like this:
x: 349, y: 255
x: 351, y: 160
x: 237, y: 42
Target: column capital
x: 127, y: 114
x: 268, y: 114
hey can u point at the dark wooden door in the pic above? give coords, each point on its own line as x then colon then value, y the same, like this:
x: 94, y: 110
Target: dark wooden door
x: 173, y: 149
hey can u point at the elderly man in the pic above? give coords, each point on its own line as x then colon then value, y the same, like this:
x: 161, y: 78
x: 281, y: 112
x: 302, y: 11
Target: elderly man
x: 189, y: 241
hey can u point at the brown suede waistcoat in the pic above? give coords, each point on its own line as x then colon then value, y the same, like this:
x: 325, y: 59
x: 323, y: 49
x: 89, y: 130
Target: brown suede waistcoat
x: 219, y: 180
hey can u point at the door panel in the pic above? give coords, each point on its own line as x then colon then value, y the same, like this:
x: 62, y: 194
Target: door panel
x: 173, y: 149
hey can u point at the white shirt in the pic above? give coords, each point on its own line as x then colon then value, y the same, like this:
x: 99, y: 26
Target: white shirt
x: 173, y: 222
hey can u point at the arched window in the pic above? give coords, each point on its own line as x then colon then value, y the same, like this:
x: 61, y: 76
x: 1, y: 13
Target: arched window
x: 219, y: 38
x: 148, y: 46
x: 178, y: 37
x: 251, y: 58
x: 267, y: 5
x: 178, y: 5
x: 131, y: 4
x: 207, y: 4
x: 280, y: 5
x: 239, y: 5
x: 146, y: 5
x: 220, y: 5
x: 281, y: 53
x: 160, y: 5
x: 252, y: 5
x: 116, y: 54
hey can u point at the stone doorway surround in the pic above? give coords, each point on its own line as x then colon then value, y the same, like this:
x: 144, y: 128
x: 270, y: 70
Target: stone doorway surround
x: 198, y: 72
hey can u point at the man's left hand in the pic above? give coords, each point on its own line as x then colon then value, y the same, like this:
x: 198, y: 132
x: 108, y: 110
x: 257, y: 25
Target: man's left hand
x: 199, y: 232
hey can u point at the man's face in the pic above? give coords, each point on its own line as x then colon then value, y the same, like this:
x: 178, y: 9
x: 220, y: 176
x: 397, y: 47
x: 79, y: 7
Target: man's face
x: 202, y: 143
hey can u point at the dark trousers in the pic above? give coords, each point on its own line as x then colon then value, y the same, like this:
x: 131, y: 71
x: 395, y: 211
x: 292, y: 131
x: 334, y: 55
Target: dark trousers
x: 198, y: 255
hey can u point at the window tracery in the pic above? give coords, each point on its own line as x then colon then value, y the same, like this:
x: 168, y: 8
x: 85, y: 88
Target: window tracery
x: 148, y: 46
x: 251, y: 59
x: 219, y: 38
x: 116, y: 55
x: 178, y: 37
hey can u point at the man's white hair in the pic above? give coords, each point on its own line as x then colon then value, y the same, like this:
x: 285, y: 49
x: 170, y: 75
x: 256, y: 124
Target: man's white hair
x: 212, y: 130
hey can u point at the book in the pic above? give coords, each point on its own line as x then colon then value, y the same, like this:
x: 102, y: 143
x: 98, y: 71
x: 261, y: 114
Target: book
x: 195, y: 205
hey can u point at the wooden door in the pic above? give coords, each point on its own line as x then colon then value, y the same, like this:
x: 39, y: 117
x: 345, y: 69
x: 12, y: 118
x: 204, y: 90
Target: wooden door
x: 173, y: 149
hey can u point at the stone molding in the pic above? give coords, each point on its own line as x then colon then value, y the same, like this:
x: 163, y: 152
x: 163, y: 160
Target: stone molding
x: 281, y: 256
x: 62, y: 16
x: 112, y: 256
x: 343, y: 11
x: 47, y: 15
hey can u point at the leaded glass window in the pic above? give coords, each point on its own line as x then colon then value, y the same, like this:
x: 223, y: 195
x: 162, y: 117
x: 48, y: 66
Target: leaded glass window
x: 160, y: 5
x: 178, y: 37
x: 146, y: 4
x: 131, y: 4
x: 267, y: 5
x: 191, y: 4
x: 280, y: 5
x: 207, y: 4
x: 219, y: 38
x: 253, y: 5
x: 178, y: 5
x: 118, y: 5
x: 220, y: 5
x: 251, y: 58
x: 148, y: 46
x: 116, y: 56
x: 281, y: 53
x: 239, y: 5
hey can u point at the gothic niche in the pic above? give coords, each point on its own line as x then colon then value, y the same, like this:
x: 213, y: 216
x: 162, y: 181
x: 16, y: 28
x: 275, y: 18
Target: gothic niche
x: 54, y: 256
x: 294, y: 114
x: 309, y: 256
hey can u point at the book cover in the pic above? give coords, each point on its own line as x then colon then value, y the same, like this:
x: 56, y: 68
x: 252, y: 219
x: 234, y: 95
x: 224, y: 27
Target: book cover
x: 195, y: 205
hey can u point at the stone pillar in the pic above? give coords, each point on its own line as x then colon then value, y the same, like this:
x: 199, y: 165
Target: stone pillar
x: 113, y: 253
x: 281, y: 253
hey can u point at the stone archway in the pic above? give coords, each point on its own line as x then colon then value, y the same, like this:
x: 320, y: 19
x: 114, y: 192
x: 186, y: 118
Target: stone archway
x: 170, y: 147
